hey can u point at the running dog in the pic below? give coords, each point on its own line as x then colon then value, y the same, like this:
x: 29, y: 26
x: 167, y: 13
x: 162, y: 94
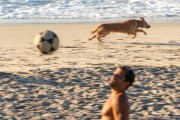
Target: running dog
x: 129, y: 26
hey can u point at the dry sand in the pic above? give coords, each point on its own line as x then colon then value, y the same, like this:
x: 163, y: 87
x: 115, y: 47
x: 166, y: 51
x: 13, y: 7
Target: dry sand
x: 71, y: 84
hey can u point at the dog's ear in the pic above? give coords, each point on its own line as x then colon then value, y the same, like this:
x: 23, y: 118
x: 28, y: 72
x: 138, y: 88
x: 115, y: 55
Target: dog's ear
x: 142, y: 18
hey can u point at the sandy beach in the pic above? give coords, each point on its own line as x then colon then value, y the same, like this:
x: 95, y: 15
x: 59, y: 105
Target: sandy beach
x: 71, y: 84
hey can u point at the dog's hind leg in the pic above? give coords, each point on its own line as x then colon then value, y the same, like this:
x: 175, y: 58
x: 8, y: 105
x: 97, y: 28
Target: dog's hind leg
x: 99, y: 40
x: 101, y: 36
x: 92, y: 37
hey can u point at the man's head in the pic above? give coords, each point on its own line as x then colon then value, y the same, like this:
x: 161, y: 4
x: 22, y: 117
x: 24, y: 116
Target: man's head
x: 122, y: 78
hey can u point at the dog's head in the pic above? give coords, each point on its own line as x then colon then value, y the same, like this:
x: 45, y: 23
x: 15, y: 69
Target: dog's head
x: 143, y: 23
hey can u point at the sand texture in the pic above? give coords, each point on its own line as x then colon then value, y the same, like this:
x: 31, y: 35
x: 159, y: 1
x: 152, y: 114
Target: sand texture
x: 72, y: 83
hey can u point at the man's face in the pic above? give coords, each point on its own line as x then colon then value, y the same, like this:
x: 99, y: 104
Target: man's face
x: 118, y: 78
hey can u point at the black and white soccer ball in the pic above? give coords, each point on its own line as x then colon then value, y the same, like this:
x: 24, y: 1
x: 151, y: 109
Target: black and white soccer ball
x: 46, y: 42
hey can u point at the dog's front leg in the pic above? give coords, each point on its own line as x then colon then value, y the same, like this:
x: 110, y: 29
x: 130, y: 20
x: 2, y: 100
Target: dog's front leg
x: 129, y: 34
x: 140, y: 30
x: 134, y: 35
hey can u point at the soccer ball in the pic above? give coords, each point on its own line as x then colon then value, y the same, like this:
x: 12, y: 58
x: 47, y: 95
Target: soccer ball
x: 46, y: 42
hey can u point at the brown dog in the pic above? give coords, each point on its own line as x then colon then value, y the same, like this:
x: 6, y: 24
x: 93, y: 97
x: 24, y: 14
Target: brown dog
x: 128, y: 26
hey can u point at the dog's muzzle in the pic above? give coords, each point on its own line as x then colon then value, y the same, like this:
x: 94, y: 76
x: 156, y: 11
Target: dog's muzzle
x: 148, y: 26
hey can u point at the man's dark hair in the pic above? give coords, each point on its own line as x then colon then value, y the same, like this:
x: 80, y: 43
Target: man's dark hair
x: 130, y: 76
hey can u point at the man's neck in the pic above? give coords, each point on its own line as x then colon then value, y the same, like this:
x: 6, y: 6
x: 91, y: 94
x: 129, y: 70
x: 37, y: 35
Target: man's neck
x: 117, y: 92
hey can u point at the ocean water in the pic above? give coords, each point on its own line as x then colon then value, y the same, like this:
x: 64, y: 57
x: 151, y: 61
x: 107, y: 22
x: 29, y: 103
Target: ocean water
x: 79, y: 10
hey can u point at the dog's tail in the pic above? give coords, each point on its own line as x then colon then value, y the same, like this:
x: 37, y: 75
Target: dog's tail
x: 93, y: 31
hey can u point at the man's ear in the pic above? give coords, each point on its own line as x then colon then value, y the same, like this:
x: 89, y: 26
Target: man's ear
x: 142, y: 18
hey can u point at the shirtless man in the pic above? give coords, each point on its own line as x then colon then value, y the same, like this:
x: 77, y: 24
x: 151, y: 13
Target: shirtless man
x: 117, y: 106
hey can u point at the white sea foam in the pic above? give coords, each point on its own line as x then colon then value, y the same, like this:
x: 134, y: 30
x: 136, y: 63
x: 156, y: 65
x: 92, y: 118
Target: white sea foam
x: 88, y: 9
